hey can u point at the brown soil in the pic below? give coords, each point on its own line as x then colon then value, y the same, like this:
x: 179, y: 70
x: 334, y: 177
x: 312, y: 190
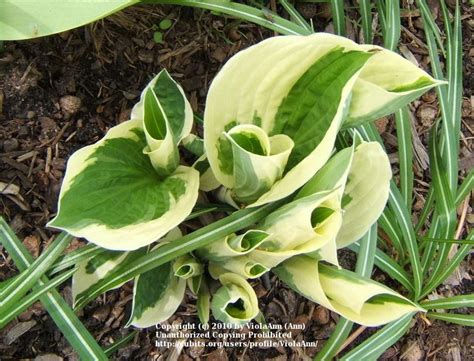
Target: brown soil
x: 62, y: 92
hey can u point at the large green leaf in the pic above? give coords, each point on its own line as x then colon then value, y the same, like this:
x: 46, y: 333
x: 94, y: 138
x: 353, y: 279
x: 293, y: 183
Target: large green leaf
x: 302, y: 87
x: 112, y: 195
x: 294, y: 86
x: 25, y: 19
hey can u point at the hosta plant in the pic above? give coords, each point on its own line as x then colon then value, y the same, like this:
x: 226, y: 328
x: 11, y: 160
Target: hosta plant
x: 270, y: 124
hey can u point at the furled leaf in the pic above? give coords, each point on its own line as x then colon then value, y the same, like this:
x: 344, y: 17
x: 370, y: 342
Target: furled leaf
x: 25, y: 19
x: 174, y: 108
x: 186, y: 267
x: 362, y: 175
x: 243, y: 266
x: 112, y: 195
x: 259, y: 161
x: 305, y: 225
x: 358, y: 299
x: 204, y: 302
x: 235, y: 302
x: 233, y: 245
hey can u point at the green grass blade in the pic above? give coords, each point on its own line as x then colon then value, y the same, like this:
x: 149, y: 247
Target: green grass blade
x: 71, y: 327
x: 404, y: 218
x: 425, y: 212
x: 68, y: 260
x: 392, y: 30
x: 197, y: 239
x: 444, y: 203
x: 466, y: 187
x: 338, y: 337
x: 263, y: 18
x: 375, y: 345
x: 449, y: 303
x: 449, y: 142
x: 381, y: 11
x: 338, y: 17
x: 425, y: 10
x: 364, y: 266
x: 366, y: 255
x: 365, y: 9
x: 6, y: 315
x: 456, y: 241
x: 452, y: 118
x: 295, y: 15
x: 461, y: 253
x: 120, y: 343
x: 456, y: 318
x: 405, y: 155
x: 28, y: 278
x: 389, y: 225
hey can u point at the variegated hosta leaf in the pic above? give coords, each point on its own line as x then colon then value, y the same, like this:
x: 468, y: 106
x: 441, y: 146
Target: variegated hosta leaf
x: 167, y: 118
x: 233, y: 245
x: 112, y: 195
x: 298, y: 86
x: 172, y: 101
x: 366, y: 192
x: 242, y: 265
x: 259, y: 161
x: 235, y: 302
x: 363, y: 177
x: 203, y: 302
x: 387, y: 82
x: 25, y: 19
x: 305, y: 225
x: 157, y: 295
x: 186, y: 267
x: 92, y: 271
x: 207, y: 181
x: 194, y: 144
x: 358, y: 299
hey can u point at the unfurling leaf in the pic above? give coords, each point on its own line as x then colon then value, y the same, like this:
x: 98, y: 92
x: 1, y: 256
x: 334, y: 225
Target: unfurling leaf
x: 233, y: 245
x: 116, y: 193
x: 358, y: 299
x: 303, y: 226
x: 362, y: 174
x: 235, y: 302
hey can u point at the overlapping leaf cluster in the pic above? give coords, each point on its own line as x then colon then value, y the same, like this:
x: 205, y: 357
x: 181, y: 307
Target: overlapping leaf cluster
x: 270, y: 125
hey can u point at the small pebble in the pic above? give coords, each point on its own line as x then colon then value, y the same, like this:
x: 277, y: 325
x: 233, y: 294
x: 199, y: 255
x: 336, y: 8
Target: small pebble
x: 70, y: 104
x: 427, y: 114
x: 320, y: 315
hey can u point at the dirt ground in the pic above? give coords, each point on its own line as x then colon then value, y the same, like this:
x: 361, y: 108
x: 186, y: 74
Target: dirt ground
x: 62, y: 92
